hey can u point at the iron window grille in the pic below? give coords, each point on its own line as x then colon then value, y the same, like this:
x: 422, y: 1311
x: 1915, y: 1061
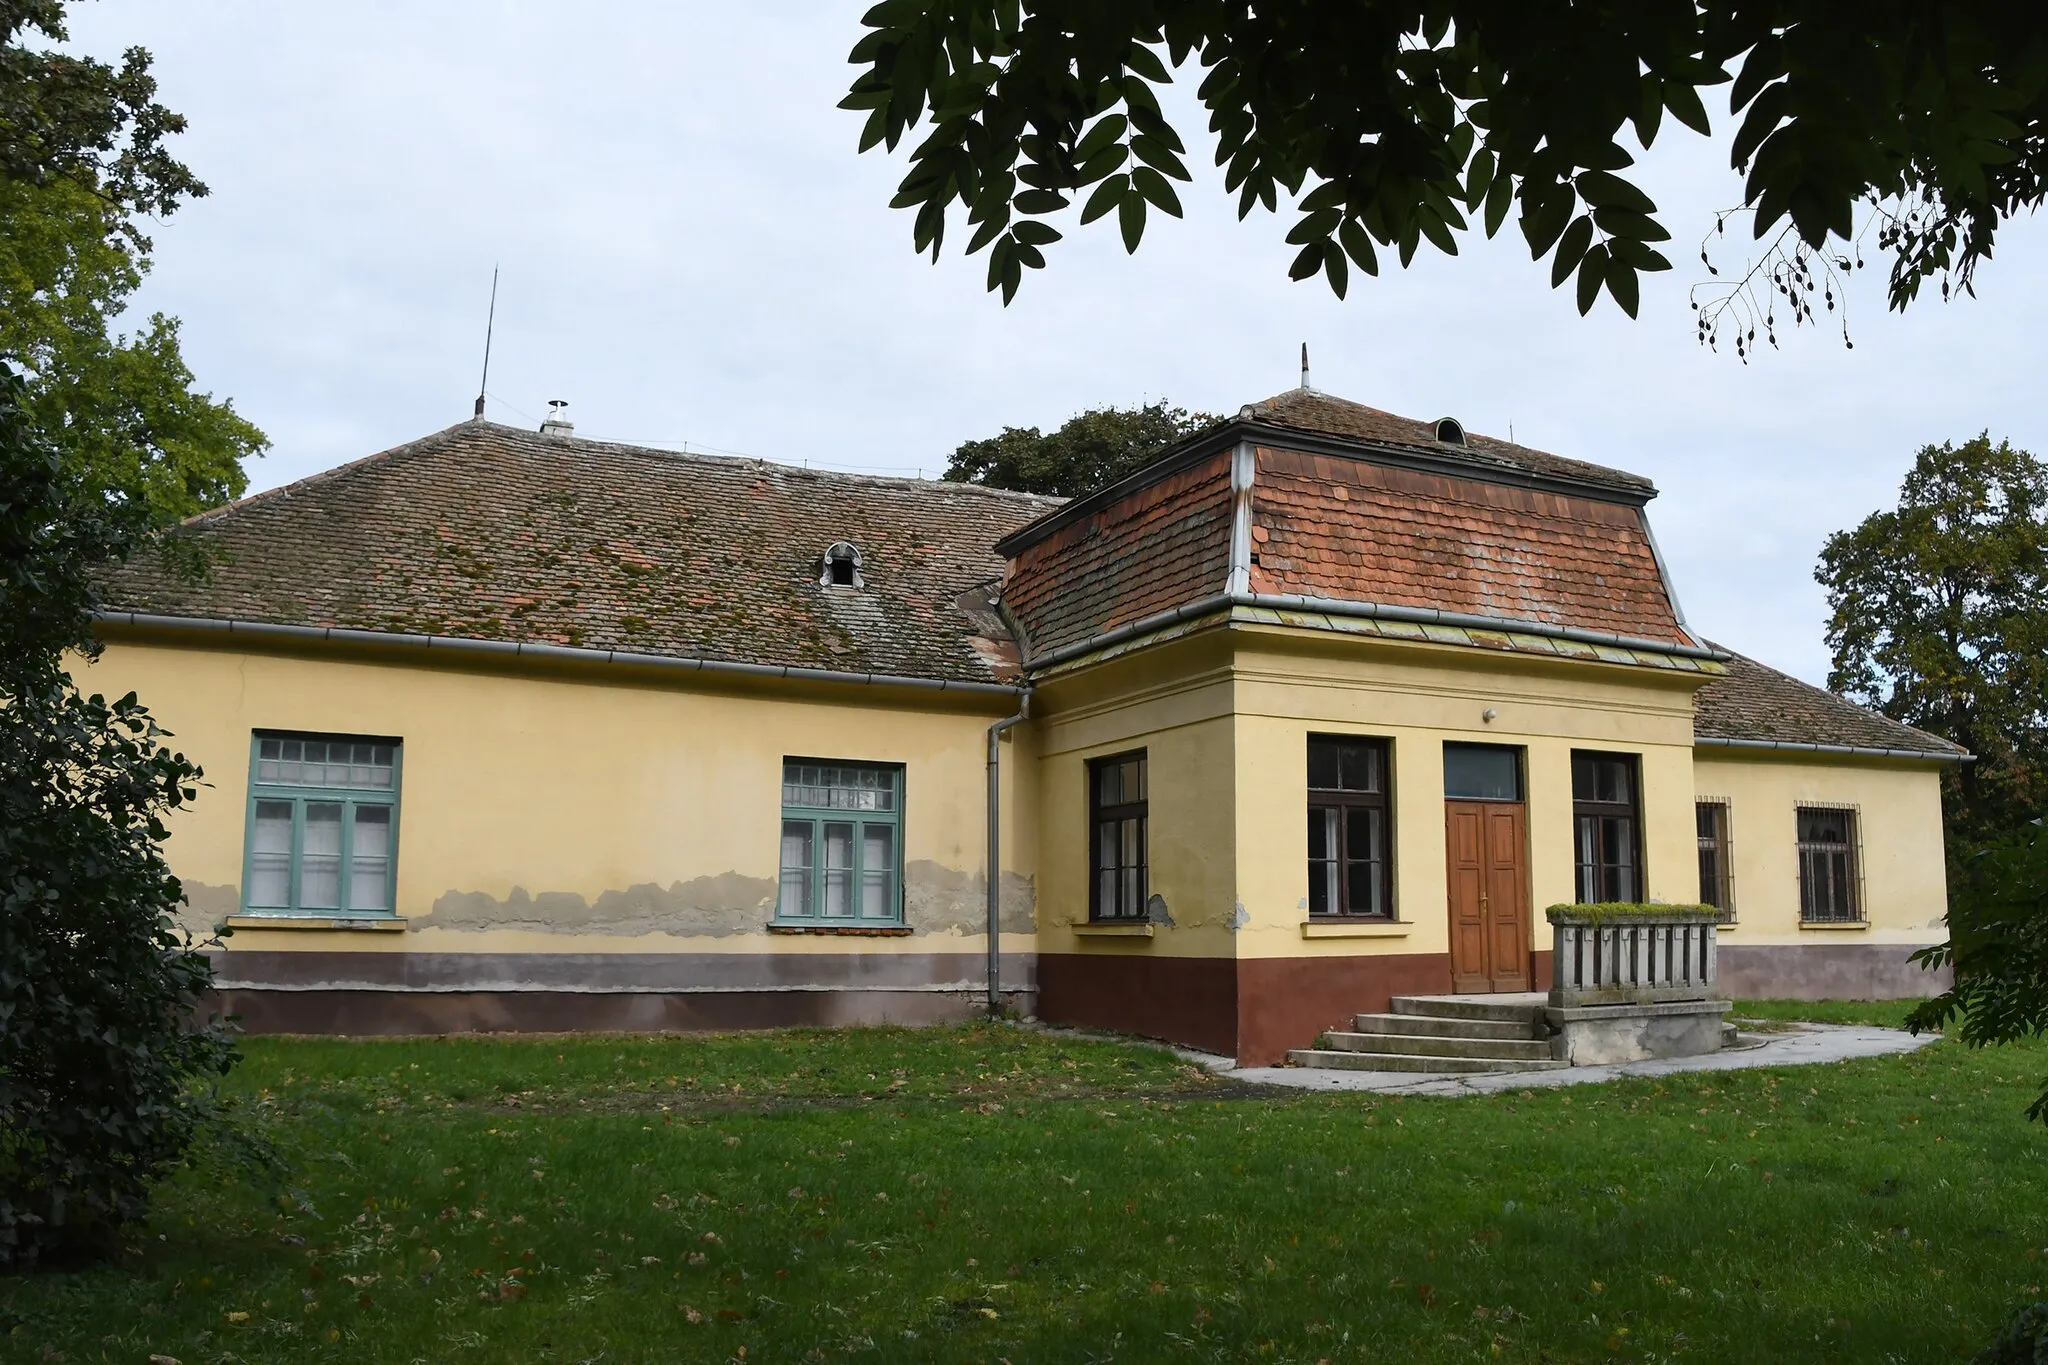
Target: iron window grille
x: 1830, y: 875
x: 1350, y: 862
x: 1717, y: 862
x: 322, y: 836
x: 1117, y: 800
x: 1607, y: 827
x: 842, y: 846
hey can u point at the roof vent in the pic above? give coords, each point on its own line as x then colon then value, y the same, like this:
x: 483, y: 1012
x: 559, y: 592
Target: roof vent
x: 840, y: 567
x: 557, y: 422
x: 1450, y: 431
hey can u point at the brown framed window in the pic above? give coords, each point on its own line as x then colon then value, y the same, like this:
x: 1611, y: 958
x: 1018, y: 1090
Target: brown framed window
x: 1607, y: 827
x: 1716, y: 872
x: 1116, y: 821
x: 1350, y: 863
x: 1829, y: 889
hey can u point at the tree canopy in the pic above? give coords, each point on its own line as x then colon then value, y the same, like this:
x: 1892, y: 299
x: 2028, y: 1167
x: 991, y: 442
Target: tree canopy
x: 82, y: 161
x: 1939, y: 618
x: 1090, y: 449
x: 1393, y: 124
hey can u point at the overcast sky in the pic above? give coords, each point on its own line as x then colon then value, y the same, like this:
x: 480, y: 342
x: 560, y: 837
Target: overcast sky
x: 691, y: 251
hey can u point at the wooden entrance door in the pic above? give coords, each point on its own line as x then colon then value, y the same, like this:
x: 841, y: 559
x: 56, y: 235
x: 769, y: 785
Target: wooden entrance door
x: 1489, y: 895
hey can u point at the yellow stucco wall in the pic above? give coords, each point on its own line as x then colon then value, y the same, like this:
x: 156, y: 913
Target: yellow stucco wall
x: 587, y: 811
x: 1419, y: 698
x: 1898, y: 808
x: 1175, y: 703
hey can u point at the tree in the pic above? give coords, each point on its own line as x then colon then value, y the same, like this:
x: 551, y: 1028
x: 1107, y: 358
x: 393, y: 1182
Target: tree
x: 1939, y: 618
x: 102, y: 1051
x: 1388, y: 123
x: 81, y: 157
x: 1091, y: 449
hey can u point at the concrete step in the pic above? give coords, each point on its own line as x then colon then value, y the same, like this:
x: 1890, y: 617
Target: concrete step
x: 1436, y: 1045
x: 1337, y: 1059
x: 1432, y: 1026
x: 1509, y: 1008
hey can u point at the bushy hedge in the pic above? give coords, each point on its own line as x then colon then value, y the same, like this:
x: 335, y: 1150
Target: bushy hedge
x: 1618, y: 912
x: 105, y: 1062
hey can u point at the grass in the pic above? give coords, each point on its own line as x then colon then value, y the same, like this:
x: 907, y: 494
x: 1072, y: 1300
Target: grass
x: 991, y: 1193
x: 1878, y: 1013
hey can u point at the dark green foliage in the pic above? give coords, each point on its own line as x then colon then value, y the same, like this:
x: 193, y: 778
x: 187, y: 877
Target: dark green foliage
x: 101, y: 1051
x: 65, y: 117
x: 1998, y: 947
x: 2023, y: 1342
x: 82, y: 160
x: 1388, y: 124
x: 1092, y: 449
x: 1939, y: 618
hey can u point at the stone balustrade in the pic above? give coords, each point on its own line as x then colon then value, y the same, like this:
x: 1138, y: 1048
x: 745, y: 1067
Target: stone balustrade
x: 1635, y: 955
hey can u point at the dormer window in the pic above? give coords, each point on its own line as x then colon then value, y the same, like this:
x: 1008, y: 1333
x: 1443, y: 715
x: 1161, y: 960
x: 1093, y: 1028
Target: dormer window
x: 841, y: 566
x: 1450, y: 431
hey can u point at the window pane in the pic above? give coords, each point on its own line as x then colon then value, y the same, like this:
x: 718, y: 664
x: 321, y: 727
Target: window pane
x: 1131, y: 900
x: 320, y: 858
x: 1361, y: 767
x: 1364, y: 888
x: 1137, y: 781
x: 1482, y: 772
x: 369, y: 864
x: 1130, y: 854
x: 1619, y: 857
x: 838, y: 869
x: 795, y: 899
x: 1588, y: 853
x: 877, y: 871
x: 1109, y: 784
x: 1362, y: 835
x: 270, y: 856
x: 1322, y: 832
x: 1323, y: 766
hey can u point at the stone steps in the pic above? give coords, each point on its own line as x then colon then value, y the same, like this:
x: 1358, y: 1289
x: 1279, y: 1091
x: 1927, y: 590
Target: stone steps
x: 1438, y: 1045
x: 1441, y: 1034
x: 1338, y: 1059
x: 1426, y: 1025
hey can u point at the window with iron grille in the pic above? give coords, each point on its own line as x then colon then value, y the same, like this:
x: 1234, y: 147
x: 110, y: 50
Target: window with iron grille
x: 1350, y: 863
x: 1116, y: 819
x: 1829, y: 890
x: 1717, y: 876
x: 842, y: 847
x: 323, y: 825
x: 1607, y: 828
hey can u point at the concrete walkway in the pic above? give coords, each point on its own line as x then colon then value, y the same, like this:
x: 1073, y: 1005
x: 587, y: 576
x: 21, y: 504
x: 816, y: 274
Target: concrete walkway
x: 1801, y: 1045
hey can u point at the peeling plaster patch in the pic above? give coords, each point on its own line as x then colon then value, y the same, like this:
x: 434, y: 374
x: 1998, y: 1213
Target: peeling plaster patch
x: 939, y: 899
x: 1156, y: 911
x: 709, y: 907
x: 206, y: 906
x: 1239, y: 917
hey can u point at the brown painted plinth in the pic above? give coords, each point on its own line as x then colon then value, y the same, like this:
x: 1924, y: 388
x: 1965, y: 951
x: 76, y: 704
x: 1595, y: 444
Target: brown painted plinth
x: 1598, y: 1035
x: 1187, y: 1000
x: 388, y: 1012
x: 1825, y: 971
x: 1252, y: 1009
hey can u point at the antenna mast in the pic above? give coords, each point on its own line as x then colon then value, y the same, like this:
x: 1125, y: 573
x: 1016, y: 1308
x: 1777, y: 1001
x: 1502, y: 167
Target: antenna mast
x: 490, y: 325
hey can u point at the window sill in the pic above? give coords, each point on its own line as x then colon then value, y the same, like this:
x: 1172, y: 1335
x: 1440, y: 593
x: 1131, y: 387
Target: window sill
x: 1856, y: 926
x: 845, y: 930
x: 376, y: 924
x: 1133, y: 929
x: 1356, y: 928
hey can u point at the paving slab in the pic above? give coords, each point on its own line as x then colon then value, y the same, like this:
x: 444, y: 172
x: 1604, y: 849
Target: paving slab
x: 1799, y: 1045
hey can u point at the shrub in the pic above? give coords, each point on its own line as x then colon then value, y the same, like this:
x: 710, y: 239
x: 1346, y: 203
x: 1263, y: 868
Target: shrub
x: 104, y: 1059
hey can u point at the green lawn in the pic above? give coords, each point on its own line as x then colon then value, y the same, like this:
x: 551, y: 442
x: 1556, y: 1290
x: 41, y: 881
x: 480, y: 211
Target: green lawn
x: 992, y: 1193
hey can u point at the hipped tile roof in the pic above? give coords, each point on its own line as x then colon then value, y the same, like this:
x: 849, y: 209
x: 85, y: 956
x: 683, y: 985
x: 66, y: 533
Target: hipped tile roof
x: 1757, y: 703
x: 1164, y: 545
x: 1323, y: 414
x: 491, y: 532
x: 1346, y: 528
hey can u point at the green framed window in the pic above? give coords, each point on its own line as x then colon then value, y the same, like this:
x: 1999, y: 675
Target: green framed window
x: 842, y: 843
x: 323, y: 825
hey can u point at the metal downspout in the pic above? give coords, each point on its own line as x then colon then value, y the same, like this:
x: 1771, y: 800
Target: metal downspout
x: 995, y: 852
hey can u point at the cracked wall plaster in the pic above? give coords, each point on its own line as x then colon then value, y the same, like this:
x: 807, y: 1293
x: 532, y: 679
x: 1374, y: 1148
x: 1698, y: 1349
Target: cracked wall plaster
x: 939, y: 899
